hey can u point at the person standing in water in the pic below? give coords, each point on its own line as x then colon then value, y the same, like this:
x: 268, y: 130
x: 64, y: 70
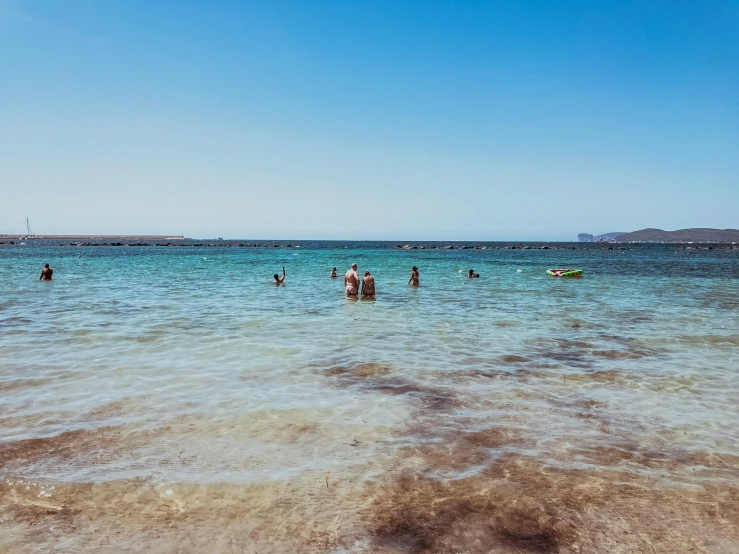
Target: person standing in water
x: 414, y: 277
x: 279, y: 281
x: 46, y: 273
x: 351, y: 281
x: 333, y: 273
x: 368, y: 285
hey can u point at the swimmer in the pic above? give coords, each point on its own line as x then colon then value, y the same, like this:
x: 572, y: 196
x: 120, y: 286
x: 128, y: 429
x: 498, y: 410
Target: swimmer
x: 414, y: 277
x: 368, y: 285
x: 351, y: 281
x: 473, y: 275
x: 46, y: 273
x: 279, y: 281
x: 333, y: 273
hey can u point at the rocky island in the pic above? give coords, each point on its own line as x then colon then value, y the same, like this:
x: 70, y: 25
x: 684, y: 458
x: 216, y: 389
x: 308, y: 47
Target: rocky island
x: 658, y: 235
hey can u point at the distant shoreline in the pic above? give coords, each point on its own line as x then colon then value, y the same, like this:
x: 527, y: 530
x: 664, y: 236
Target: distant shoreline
x: 698, y: 235
x: 94, y: 237
x: 179, y: 241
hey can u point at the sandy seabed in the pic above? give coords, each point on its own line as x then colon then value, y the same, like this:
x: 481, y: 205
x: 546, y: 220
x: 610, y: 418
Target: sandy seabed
x: 448, y: 482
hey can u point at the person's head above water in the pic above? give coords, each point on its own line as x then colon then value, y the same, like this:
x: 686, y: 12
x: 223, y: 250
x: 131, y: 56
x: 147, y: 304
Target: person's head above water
x: 333, y: 269
x: 354, y: 267
x: 277, y: 277
x: 471, y: 273
x: 366, y: 273
x: 46, y: 266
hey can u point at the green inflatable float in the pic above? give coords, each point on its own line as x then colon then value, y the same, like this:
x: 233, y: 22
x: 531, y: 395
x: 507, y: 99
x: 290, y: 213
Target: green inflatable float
x: 565, y: 272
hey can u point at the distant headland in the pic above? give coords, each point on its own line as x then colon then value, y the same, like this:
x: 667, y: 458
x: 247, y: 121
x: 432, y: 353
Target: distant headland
x: 658, y: 235
x: 587, y: 237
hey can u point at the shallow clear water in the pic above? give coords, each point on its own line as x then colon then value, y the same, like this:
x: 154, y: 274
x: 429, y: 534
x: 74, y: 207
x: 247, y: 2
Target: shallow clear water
x: 151, y: 381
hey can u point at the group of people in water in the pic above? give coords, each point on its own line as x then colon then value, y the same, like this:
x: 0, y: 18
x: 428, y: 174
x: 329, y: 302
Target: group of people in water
x: 366, y: 287
x: 351, y: 280
x: 367, y: 290
x: 352, y: 283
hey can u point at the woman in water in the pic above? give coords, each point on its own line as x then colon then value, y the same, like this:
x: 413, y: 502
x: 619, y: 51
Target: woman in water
x: 279, y: 281
x: 473, y: 275
x: 414, y: 277
x: 333, y: 273
x: 368, y: 285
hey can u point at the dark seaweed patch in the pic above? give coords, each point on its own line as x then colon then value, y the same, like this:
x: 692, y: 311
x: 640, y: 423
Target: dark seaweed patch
x: 512, y: 359
x: 64, y: 446
x: 377, y: 378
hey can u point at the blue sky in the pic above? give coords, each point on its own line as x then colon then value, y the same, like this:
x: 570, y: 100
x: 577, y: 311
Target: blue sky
x: 356, y: 119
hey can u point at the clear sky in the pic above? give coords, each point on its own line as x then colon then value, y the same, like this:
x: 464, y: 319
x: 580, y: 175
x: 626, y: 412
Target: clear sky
x: 355, y: 119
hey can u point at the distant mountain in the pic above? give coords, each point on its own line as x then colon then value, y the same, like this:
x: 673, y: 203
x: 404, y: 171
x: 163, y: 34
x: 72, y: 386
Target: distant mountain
x: 586, y: 237
x: 683, y: 235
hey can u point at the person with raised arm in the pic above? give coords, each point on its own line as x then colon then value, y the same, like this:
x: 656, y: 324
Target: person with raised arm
x: 279, y: 281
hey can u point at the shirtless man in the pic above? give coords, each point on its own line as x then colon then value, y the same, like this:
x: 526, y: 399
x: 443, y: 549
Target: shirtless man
x: 351, y: 281
x: 46, y: 273
x: 279, y: 281
x: 414, y: 277
x: 368, y: 285
x: 333, y: 273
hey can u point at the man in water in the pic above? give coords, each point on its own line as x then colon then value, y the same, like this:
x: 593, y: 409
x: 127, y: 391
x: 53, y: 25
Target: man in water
x: 368, y: 285
x: 333, y: 273
x: 414, y: 277
x: 279, y: 281
x: 351, y: 281
x: 473, y: 275
x: 46, y: 273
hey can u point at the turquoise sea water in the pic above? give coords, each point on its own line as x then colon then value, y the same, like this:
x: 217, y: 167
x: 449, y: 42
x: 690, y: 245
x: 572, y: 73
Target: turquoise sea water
x: 174, y: 397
